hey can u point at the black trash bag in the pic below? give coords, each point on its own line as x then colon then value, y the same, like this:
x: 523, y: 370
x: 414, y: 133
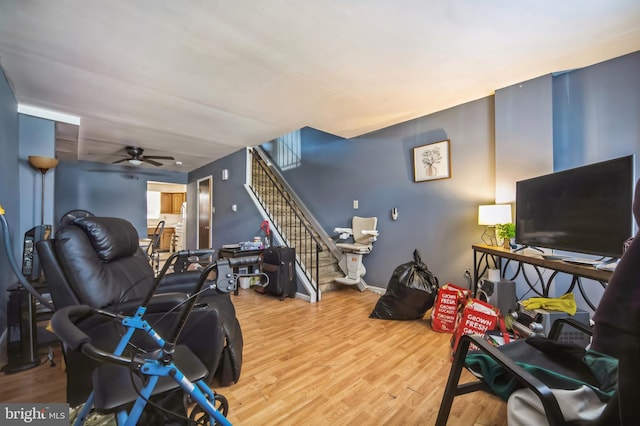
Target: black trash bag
x: 411, y: 292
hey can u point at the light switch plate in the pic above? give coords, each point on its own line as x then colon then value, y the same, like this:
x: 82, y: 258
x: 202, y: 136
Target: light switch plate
x: 355, y: 204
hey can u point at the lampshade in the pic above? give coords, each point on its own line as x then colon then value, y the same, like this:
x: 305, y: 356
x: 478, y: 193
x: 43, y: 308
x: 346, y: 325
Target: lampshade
x: 42, y: 163
x: 494, y: 214
x: 134, y: 161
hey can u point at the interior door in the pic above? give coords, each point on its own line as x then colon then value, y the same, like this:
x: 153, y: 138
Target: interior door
x: 204, y: 212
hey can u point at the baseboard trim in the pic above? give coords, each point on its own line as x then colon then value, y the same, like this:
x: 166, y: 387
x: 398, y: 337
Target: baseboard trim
x: 377, y: 290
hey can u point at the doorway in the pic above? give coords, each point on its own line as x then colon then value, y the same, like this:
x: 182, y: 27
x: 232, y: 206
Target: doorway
x: 167, y: 202
x: 204, y: 212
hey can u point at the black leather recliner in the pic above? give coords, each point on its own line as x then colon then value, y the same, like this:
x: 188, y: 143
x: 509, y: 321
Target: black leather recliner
x: 97, y: 261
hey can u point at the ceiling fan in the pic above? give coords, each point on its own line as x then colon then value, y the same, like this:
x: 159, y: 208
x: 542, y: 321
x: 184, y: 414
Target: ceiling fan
x: 136, y: 158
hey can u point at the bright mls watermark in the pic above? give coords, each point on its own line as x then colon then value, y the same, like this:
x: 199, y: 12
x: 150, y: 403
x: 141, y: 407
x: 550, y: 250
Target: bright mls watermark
x: 34, y: 414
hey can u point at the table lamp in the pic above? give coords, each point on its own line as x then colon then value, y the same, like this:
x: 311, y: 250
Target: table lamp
x: 492, y: 215
x: 43, y: 164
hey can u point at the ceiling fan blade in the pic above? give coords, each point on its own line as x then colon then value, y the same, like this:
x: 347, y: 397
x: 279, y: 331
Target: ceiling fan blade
x: 121, y: 161
x: 155, y: 163
x: 106, y: 154
x: 159, y: 157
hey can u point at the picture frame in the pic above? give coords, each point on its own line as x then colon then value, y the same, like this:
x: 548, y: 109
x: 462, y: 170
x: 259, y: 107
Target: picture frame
x: 432, y: 161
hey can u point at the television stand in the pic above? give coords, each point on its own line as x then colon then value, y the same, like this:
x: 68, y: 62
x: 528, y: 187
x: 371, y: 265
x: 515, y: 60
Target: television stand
x: 500, y: 257
x: 582, y: 261
x: 526, y: 247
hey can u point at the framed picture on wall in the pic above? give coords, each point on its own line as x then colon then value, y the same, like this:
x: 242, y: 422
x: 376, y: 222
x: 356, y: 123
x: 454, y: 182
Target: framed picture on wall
x: 431, y: 161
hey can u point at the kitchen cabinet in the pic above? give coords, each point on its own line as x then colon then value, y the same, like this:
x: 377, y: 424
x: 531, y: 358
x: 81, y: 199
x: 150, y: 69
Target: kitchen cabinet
x: 165, y: 202
x: 165, y: 239
x: 171, y: 202
x: 177, y: 198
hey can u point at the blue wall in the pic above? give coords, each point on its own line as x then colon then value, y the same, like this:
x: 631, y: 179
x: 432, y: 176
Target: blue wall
x: 9, y: 187
x: 228, y: 227
x: 524, y: 134
x: 436, y: 217
x: 596, y: 113
x: 108, y: 190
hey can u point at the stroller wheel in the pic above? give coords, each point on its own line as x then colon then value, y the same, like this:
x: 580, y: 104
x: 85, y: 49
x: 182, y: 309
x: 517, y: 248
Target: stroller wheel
x: 200, y: 417
x: 221, y: 404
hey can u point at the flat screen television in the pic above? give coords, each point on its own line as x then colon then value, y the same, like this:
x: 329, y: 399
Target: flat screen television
x: 587, y: 209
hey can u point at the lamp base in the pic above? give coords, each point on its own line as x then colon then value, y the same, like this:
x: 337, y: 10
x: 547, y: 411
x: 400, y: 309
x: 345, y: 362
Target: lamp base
x: 489, y: 236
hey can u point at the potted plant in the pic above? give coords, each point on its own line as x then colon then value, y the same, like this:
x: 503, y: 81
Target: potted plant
x: 505, y: 232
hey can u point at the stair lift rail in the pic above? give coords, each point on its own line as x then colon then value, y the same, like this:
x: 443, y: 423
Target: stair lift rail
x: 159, y: 364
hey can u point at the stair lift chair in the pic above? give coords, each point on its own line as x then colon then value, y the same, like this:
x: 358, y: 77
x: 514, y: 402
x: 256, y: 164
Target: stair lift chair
x: 97, y: 261
x: 363, y: 232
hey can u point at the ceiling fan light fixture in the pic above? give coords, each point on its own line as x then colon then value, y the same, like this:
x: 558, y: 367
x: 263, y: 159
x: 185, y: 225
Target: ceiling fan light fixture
x: 134, y: 161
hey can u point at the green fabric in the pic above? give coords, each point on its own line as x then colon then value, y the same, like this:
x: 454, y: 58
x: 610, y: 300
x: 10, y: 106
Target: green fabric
x: 605, y: 368
x: 503, y: 383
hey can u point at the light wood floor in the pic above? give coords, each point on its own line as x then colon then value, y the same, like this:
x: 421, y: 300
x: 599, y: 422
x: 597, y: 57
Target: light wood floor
x: 320, y: 364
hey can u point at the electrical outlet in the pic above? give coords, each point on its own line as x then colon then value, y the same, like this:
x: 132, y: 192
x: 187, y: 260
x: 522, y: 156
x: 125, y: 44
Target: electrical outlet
x: 467, y: 276
x: 355, y: 204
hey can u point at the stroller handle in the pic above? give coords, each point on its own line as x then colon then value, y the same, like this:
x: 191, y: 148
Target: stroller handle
x: 239, y: 262
x: 64, y: 327
x: 197, y: 253
x: 63, y: 324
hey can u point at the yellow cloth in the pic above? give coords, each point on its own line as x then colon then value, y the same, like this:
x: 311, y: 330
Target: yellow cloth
x: 565, y: 303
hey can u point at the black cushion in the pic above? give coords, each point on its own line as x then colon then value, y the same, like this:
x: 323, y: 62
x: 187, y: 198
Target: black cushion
x: 619, y: 307
x: 111, y: 237
x: 98, y: 274
x: 617, y: 324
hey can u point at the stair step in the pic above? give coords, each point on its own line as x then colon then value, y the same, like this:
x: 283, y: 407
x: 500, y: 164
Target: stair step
x: 289, y: 221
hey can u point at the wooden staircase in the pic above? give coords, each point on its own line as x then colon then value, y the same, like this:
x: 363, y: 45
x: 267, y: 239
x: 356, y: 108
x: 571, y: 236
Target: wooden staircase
x: 315, y: 256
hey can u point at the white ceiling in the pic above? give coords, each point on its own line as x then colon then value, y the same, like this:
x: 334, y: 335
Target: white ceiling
x: 201, y: 79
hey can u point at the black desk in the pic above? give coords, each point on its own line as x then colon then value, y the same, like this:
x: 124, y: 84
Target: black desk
x: 236, y: 253
x: 484, y: 255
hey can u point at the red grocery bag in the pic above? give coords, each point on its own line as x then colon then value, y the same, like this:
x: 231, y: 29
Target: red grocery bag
x: 477, y: 317
x: 447, y: 306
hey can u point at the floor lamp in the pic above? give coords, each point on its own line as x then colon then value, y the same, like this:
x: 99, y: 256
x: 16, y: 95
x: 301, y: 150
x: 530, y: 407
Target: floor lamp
x: 43, y: 164
x: 22, y: 349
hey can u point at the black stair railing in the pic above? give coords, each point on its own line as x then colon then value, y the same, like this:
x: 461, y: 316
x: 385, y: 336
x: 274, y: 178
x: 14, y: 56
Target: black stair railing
x: 287, y: 218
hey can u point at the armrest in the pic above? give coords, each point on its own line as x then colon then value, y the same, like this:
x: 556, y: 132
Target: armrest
x: 453, y: 388
x: 63, y: 324
x: 558, y: 324
x: 343, y: 233
x: 162, y: 302
x: 549, y: 402
x: 166, y: 302
x: 183, y: 282
x: 374, y: 234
